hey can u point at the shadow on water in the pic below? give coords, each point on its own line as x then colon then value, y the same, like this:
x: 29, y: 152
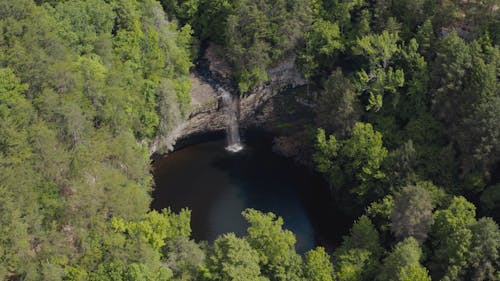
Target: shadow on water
x: 217, y: 185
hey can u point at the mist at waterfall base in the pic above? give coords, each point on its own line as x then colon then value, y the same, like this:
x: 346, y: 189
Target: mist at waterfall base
x: 233, y: 143
x: 218, y: 185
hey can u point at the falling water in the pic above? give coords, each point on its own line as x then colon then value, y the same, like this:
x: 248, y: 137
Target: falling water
x: 232, y: 130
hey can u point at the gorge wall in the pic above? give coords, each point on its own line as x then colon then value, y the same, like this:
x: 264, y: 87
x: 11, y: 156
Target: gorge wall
x: 207, y: 112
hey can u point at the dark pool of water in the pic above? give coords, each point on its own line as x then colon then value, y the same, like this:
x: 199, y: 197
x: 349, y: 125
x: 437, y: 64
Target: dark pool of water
x: 217, y: 185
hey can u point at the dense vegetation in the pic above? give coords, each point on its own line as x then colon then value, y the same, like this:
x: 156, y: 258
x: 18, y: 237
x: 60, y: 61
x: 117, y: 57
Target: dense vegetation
x: 84, y: 86
x: 406, y: 133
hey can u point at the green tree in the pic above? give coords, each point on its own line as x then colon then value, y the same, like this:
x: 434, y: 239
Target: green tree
x: 184, y: 10
x: 400, y: 165
x: 232, y: 258
x: 465, y: 72
x: 19, y: 214
x: 364, y: 153
x: 16, y: 114
x: 184, y: 257
x: 378, y: 49
x: 450, y: 68
x: 452, y: 237
x: 446, y: 12
x: 363, y: 235
x: 249, y: 54
x: 260, y: 33
x: 410, y: 13
x: 380, y: 213
x: 323, y: 44
x: 490, y: 199
x: 212, y: 19
x: 354, y: 265
x: 412, y: 213
x: 156, y: 228
x: 381, y: 77
x: 85, y: 22
x: 426, y: 39
x: 354, y: 163
x: 112, y: 271
x: 415, y: 100
x: 341, y: 12
x: 414, y: 272
x: 357, y: 258
x: 274, y: 245
x: 337, y: 106
x: 14, y: 236
x: 404, y: 254
x: 317, y: 265
x: 484, y: 252
x: 465, y: 87
x: 481, y: 153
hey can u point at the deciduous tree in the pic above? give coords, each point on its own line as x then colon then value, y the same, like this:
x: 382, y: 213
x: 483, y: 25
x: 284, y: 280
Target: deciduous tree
x: 452, y: 237
x: 232, y: 258
x: 412, y: 213
x: 274, y: 245
x: 484, y: 252
x: 317, y: 265
x: 405, y: 253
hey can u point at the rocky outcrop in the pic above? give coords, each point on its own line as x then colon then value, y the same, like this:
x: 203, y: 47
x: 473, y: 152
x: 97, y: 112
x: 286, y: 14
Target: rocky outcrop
x: 217, y: 64
x: 254, y: 107
x: 207, y: 114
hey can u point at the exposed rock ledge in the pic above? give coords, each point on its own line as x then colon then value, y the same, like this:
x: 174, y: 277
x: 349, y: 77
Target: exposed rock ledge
x: 207, y: 114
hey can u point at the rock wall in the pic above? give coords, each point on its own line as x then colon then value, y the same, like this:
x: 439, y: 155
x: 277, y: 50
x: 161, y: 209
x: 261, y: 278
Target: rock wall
x: 207, y: 114
x: 254, y: 109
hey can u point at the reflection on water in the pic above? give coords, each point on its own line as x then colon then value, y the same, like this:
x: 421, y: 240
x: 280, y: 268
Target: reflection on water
x: 217, y: 185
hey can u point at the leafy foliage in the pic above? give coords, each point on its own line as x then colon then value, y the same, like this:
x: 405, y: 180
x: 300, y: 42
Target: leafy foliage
x: 233, y: 259
x: 78, y: 106
x: 453, y: 237
x: 337, y: 107
x: 485, y: 249
x: 412, y: 213
x: 317, y: 265
x: 275, y: 245
x: 414, y: 272
x: 354, y: 163
x: 406, y: 253
x: 88, y: 87
x: 259, y: 33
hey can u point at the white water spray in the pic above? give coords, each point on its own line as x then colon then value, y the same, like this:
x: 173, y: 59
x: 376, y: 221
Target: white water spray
x: 232, y: 130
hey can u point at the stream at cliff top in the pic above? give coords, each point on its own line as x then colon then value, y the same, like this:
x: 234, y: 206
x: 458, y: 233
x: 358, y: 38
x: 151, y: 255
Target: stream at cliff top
x: 217, y: 185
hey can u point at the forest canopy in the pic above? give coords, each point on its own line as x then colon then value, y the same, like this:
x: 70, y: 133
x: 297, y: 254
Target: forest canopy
x: 405, y: 132
x: 82, y: 85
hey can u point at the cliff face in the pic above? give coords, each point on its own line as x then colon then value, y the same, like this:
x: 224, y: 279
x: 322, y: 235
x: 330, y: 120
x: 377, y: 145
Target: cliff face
x: 207, y: 113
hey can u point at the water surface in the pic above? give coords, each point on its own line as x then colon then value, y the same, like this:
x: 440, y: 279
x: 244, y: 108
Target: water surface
x: 217, y: 185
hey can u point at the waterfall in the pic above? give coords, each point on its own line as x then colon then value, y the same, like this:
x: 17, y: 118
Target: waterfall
x: 232, y: 129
